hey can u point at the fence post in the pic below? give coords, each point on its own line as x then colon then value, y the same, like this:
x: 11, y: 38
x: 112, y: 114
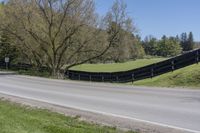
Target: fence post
x: 102, y: 78
x: 111, y: 77
x: 67, y: 74
x: 133, y: 77
x: 172, y: 63
x: 152, y: 72
x: 117, y: 78
x: 90, y: 77
x: 79, y: 76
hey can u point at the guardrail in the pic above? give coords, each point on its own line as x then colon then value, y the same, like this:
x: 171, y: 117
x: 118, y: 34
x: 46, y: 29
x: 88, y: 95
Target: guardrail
x: 148, y: 71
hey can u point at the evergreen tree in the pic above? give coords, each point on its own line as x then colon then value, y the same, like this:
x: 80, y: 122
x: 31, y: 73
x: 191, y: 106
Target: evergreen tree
x: 177, y: 38
x: 187, y: 42
x: 164, y: 37
x: 150, y: 45
x: 184, y: 41
x: 190, y: 42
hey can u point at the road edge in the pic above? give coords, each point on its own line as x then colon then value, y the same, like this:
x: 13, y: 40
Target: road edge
x: 103, y: 119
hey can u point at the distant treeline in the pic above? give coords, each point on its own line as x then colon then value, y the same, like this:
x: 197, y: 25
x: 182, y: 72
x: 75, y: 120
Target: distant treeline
x: 169, y: 46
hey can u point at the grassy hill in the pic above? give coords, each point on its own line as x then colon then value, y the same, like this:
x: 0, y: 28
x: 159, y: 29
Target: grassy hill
x: 185, y: 77
x: 113, y: 67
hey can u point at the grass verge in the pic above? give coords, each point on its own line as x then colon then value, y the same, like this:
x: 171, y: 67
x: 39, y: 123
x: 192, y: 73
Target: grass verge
x: 15, y: 118
x: 30, y: 72
x: 33, y: 72
x: 113, y: 67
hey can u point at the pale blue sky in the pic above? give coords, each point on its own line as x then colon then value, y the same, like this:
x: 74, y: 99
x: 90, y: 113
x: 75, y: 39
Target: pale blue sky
x: 158, y: 17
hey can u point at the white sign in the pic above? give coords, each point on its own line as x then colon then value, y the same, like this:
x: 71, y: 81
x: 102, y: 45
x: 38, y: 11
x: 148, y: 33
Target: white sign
x: 7, y: 59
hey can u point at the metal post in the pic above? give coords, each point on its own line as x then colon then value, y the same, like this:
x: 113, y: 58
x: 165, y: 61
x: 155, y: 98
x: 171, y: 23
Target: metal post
x: 7, y: 59
x: 6, y: 65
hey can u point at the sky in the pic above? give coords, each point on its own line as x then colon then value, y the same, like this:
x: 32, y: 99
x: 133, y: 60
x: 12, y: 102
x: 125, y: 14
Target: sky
x: 159, y: 17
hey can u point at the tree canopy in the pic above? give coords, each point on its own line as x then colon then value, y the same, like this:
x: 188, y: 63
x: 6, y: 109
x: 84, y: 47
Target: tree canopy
x: 60, y: 34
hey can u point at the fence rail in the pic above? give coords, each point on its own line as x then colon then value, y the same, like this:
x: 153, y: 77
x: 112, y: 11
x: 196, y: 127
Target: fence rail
x: 21, y: 66
x: 148, y: 71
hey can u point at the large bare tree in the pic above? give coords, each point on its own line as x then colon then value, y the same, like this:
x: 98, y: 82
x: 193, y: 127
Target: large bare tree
x: 124, y: 46
x: 60, y: 33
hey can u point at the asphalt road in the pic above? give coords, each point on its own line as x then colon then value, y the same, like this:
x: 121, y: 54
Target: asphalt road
x: 177, y: 108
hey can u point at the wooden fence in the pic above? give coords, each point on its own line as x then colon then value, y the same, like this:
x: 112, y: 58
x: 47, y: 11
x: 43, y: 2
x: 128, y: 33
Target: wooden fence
x: 148, y: 71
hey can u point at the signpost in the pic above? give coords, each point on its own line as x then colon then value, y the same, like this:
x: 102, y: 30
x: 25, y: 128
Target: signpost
x: 7, y: 59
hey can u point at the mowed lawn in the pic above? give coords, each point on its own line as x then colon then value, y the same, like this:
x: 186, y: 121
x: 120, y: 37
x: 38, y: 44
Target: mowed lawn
x: 185, y: 77
x: 113, y: 67
x: 17, y: 119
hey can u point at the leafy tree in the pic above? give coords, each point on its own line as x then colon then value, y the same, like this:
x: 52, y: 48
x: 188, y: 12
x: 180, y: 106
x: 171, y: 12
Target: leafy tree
x: 150, y: 45
x: 61, y: 34
x: 1, y: 8
x: 137, y: 50
x: 54, y: 33
x: 7, y: 50
x: 165, y: 47
x: 168, y: 47
x: 123, y: 46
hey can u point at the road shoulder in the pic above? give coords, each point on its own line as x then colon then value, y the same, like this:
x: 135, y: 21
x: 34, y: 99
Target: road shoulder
x: 116, y: 121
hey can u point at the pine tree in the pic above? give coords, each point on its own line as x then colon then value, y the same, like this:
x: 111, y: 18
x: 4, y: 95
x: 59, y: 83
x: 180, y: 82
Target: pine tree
x: 184, y: 41
x: 187, y: 42
x: 190, y: 42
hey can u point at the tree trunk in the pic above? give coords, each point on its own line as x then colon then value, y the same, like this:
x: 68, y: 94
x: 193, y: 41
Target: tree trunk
x: 55, y: 73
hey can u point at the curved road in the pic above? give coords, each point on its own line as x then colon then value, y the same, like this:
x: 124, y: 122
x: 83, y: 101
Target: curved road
x: 177, y: 108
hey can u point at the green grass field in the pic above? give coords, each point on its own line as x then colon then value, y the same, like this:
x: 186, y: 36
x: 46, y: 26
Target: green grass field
x: 113, y: 67
x: 17, y: 119
x: 185, y: 77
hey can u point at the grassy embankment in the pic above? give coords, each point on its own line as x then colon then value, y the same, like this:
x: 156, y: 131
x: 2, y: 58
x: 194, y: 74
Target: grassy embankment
x: 113, y: 67
x: 185, y: 77
x: 15, y: 118
x: 30, y: 72
x: 94, y: 67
